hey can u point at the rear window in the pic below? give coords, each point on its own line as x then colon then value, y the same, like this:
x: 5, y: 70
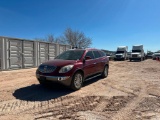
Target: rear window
x: 102, y: 53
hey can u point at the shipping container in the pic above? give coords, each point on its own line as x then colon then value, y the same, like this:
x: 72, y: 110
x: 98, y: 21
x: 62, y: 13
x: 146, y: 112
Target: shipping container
x: 18, y: 53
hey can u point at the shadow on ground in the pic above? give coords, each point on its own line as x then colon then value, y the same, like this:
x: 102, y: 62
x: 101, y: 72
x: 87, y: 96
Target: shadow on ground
x: 37, y: 92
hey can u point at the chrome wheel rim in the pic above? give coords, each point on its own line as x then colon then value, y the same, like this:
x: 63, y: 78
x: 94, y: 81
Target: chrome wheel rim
x: 78, y: 80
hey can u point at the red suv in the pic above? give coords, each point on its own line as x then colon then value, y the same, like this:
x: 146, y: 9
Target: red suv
x: 73, y: 67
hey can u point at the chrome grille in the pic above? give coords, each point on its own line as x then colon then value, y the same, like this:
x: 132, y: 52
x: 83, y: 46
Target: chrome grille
x: 134, y: 55
x: 118, y: 56
x: 46, y: 68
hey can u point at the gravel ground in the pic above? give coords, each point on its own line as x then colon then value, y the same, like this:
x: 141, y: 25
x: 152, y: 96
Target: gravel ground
x: 130, y: 92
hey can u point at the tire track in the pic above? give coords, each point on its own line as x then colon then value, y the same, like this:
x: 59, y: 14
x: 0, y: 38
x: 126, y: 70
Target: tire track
x: 20, y: 106
x: 69, y: 109
x: 102, y: 104
x: 126, y: 112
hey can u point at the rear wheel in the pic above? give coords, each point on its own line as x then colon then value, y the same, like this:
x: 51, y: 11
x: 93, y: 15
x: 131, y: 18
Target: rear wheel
x: 77, y: 81
x: 105, y: 72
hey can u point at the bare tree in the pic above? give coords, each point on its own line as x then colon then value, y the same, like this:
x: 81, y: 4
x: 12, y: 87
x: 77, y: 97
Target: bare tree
x: 70, y: 37
x: 52, y: 39
x: 75, y: 39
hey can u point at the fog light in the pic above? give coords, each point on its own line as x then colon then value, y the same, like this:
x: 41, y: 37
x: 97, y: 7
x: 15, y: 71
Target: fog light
x: 63, y: 78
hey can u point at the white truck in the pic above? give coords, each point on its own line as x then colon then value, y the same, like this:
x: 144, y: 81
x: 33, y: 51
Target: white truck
x: 137, y: 53
x: 121, y: 53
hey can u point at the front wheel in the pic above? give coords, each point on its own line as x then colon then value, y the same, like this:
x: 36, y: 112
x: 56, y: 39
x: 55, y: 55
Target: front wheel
x: 44, y: 83
x: 105, y: 72
x: 77, y: 81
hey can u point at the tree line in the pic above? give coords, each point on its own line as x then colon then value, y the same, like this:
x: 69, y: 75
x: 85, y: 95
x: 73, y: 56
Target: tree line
x: 71, y: 37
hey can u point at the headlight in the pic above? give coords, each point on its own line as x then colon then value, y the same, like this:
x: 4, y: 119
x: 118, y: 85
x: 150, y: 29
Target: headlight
x: 66, y: 68
x: 139, y: 55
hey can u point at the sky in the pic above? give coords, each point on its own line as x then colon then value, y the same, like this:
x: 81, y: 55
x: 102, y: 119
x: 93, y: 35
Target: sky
x: 109, y: 23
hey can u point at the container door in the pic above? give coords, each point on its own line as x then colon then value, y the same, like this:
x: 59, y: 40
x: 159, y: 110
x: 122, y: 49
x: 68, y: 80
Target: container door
x: 43, y: 52
x: 68, y: 47
x: 15, y: 54
x: 28, y: 54
x: 52, y: 51
x: 62, y: 48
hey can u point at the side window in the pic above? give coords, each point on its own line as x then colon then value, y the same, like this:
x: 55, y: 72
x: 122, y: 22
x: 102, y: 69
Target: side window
x: 96, y: 54
x: 90, y: 53
x: 102, y: 53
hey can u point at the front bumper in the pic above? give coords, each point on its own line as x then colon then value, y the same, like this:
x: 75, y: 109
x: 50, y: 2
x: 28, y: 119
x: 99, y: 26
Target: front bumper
x: 65, y: 80
x: 137, y: 58
x: 119, y: 58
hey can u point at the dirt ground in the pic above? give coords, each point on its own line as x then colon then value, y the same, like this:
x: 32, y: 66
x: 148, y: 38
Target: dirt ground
x: 130, y: 92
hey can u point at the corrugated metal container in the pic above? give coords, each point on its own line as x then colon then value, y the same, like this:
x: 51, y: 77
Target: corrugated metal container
x: 68, y: 47
x: 52, y: 51
x: 43, y: 52
x: 28, y: 54
x: 18, y: 53
x: 15, y: 54
x: 62, y: 48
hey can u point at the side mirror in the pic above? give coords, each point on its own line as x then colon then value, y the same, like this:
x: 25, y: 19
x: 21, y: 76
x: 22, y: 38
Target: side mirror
x: 86, y: 58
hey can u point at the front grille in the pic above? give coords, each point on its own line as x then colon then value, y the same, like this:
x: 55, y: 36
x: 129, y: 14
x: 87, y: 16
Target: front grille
x: 118, y: 56
x: 134, y: 55
x: 46, y: 68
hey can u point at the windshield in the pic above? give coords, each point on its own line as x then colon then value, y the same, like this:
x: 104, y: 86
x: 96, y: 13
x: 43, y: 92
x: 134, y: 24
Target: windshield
x: 136, y: 51
x: 119, y: 52
x: 71, y: 55
x: 149, y: 53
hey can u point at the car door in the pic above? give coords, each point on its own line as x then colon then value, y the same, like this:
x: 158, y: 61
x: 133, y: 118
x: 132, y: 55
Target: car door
x: 103, y: 59
x: 98, y: 61
x: 89, y: 64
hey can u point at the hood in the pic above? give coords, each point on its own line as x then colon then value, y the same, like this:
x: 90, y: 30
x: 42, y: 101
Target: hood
x: 59, y: 62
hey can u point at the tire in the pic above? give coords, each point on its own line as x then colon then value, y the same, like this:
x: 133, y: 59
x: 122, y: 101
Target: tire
x: 105, y: 72
x: 43, y: 83
x: 77, y: 81
x: 140, y: 59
